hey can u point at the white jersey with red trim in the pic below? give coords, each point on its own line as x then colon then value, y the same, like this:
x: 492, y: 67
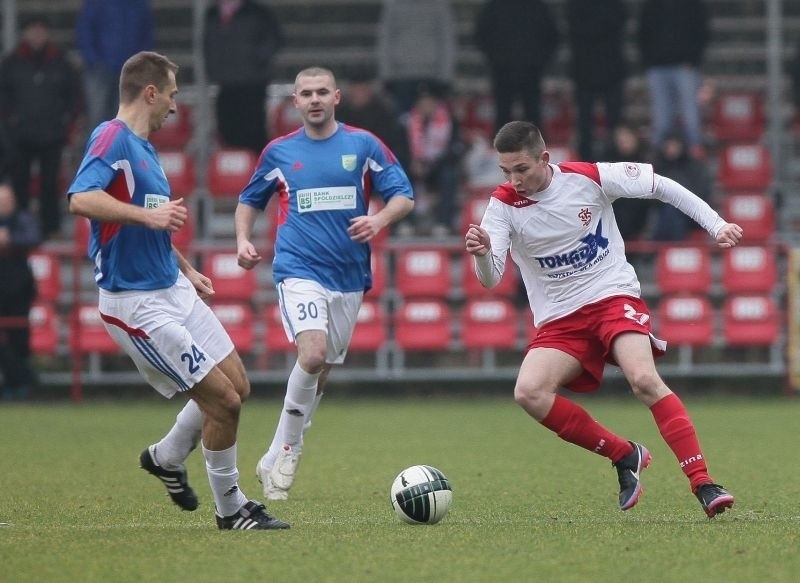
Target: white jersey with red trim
x: 565, y: 238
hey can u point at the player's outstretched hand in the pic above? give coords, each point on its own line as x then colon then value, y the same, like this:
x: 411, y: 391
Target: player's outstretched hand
x: 362, y: 229
x: 729, y: 235
x: 247, y: 256
x: 169, y: 216
x: 477, y: 241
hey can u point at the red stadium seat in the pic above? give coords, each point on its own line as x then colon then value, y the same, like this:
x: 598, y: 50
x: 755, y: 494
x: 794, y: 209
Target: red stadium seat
x: 229, y: 171
x: 379, y: 273
x: 473, y: 288
x: 472, y: 210
x: 237, y: 318
x: 423, y: 325
x: 755, y: 213
x: 744, y: 167
x: 184, y: 237
x: 44, y: 329
x: 738, y: 116
x: 751, y: 320
x: 274, y: 335
x: 176, y: 131
x: 230, y: 281
x: 93, y: 336
x: 423, y: 273
x: 47, y: 273
x: 749, y: 269
x: 686, y: 320
x: 180, y: 172
x: 489, y: 323
x: 283, y: 117
x: 683, y: 269
x: 370, y: 332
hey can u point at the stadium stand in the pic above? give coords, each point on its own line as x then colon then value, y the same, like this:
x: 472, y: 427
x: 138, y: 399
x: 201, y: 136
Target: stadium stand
x: 755, y: 213
x: 751, y: 320
x: 683, y: 269
x: 46, y: 269
x: 750, y: 269
x: 45, y: 326
x: 423, y: 272
x: 237, y: 317
x: 744, y: 167
x: 686, y: 320
x: 231, y: 282
x: 738, y: 117
x: 180, y: 171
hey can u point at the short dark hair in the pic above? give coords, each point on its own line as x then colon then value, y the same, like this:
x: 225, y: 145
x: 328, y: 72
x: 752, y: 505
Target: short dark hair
x: 143, y: 69
x: 516, y: 136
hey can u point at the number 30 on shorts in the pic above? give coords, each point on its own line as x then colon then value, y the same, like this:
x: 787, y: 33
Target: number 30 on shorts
x: 193, y: 359
x: 306, y: 311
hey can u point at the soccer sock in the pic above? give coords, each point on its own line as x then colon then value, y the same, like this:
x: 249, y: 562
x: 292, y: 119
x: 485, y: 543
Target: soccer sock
x: 314, y: 407
x: 573, y: 424
x: 171, y: 452
x: 678, y: 431
x: 301, y: 390
x: 223, y: 475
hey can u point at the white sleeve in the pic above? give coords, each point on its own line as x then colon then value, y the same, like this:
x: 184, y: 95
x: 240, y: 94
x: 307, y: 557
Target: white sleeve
x: 491, y: 266
x: 668, y: 191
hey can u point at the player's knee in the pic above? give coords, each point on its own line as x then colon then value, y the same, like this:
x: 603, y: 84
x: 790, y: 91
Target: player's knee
x: 226, y: 407
x: 645, y: 382
x: 312, y: 361
x: 531, y: 397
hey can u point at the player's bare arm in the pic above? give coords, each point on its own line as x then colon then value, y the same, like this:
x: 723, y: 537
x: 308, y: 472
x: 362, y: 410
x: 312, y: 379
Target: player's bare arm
x: 729, y: 235
x: 243, y: 219
x: 201, y: 283
x: 101, y: 206
x: 477, y: 241
x: 365, y: 227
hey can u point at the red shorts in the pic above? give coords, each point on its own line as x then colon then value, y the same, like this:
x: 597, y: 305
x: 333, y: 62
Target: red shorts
x: 587, y: 335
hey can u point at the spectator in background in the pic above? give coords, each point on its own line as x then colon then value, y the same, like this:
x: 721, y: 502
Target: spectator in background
x: 672, y: 38
x: 673, y: 161
x: 39, y: 101
x: 599, y: 68
x: 240, y: 41
x: 366, y: 106
x: 417, y: 44
x: 631, y: 213
x: 518, y: 39
x: 109, y: 31
x: 435, y: 153
x: 19, y: 233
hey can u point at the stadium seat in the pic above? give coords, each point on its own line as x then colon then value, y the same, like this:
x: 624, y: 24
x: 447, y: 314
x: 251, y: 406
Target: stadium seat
x: 283, y: 117
x: 423, y: 272
x: 749, y: 269
x: 489, y: 323
x: 473, y: 208
x: 237, y: 318
x: 180, y: 172
x: 46, y: 270
x: 184, y: 237
x: 683, y: 269
x: 379, y: 273
x: 557, y: 117
x: 755, y: 213
x: 176, y: 131
x: 274, y: 335
x: 744, y: 167
x: 738, y: 116
x: 230, y: 281
x: 686, y: 319
x: 472, y: 287
x: 81, y: 234
x: 44, y: 329
x: 370, y: 332
x: 92, y: 336
x: 229, y: 171
x: 423, y: 325
x: 750, y: 320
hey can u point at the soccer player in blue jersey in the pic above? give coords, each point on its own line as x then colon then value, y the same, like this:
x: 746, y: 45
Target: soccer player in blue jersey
x: 323, y: 174
x: 150, y: 297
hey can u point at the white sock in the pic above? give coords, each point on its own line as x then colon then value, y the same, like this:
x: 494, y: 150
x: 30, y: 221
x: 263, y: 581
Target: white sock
x: 171, y: 452
x: 300, y: 392
x: 314, y: 407
x: 223, y: 475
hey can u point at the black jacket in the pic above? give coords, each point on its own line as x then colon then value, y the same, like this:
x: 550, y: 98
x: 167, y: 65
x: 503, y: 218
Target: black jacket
x: 673, y: 32
x: 40, y: 95
x: 597, y: 39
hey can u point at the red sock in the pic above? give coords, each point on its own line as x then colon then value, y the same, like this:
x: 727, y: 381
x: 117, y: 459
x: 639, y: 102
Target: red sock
x: 678, y: 431
x: 573, y: 424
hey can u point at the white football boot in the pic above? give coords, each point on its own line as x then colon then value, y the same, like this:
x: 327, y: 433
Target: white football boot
x: 277, y: 480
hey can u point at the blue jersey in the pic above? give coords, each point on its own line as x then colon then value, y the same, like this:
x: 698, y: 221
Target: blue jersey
x: 322, y: 185
x: 126, y: 257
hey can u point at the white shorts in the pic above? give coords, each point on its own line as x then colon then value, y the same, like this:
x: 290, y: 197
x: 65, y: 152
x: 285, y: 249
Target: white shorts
x: 306, y: 305
x: 172, y: 336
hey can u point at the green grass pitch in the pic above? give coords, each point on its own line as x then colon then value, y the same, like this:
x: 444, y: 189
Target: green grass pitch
x: 527, y: 506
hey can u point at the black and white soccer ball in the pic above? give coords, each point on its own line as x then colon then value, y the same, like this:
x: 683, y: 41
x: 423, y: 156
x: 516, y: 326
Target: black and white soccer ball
x: 421, y: 495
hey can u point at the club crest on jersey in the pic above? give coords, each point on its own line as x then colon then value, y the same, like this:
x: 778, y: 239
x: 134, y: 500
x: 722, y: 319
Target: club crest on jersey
x: 349, y: 162
x: 585, y: 254
x: 585, y: 216
x: 632, y: 170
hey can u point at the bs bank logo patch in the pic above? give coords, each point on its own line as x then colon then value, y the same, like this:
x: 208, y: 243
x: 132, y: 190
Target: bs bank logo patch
x: 331, y: 198
x: 304, y: 200
x: 349, y: 162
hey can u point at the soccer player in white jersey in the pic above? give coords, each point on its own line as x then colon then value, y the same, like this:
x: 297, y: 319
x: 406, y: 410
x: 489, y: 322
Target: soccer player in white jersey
x: 323, y: 174
x: 558, y: 223
x: 150, y: 297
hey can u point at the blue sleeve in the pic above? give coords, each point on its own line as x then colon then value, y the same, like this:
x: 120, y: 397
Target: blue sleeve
x: 259, y: 190
x: 95, y: 172
x: 392, y: 180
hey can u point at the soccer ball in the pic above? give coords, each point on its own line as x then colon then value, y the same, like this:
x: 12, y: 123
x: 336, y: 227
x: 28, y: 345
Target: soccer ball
x: 421, y: 495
